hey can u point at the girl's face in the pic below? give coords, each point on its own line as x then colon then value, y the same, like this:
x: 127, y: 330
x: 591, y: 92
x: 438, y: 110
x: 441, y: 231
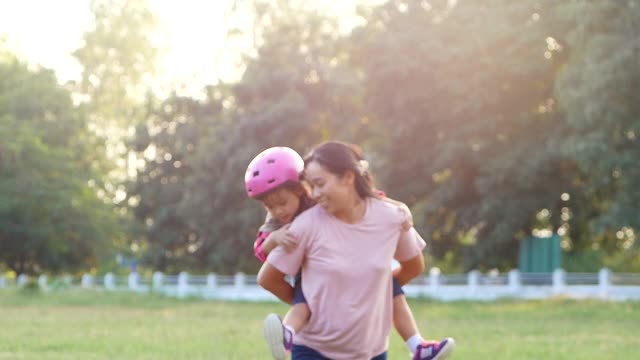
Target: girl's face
x: 283, y: 204
x: 329, y: 190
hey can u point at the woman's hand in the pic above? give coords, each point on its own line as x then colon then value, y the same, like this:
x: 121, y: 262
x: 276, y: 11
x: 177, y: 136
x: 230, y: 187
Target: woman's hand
x: 282, y: 237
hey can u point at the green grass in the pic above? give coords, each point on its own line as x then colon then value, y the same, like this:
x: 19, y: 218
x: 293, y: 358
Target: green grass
x: 75, y: 324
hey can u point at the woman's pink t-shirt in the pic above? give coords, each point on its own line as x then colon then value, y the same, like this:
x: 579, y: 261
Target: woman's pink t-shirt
x: 347, y: 277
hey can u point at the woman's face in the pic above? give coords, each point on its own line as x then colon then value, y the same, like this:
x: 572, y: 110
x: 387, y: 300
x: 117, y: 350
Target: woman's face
x: 329, y: 190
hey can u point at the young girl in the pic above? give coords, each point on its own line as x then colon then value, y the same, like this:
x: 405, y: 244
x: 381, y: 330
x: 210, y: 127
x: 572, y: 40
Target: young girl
x: 273, y: 178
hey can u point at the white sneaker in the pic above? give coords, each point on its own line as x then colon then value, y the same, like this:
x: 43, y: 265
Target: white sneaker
x: 274, y: 333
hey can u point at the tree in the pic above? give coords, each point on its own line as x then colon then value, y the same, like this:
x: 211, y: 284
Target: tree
x: 295, y: 92
x: 465, y: 117
x: 168, y: 141
x: 598, y: 93
x: 51, y: 218
x: 118, y: 62
x: 492, y: 120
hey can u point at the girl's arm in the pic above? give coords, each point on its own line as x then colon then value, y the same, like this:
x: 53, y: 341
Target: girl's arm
x: 267, y: 241
x: 263, y: 244
x: 272, y: 280
x: 258, y: 246
x: 409, y: 269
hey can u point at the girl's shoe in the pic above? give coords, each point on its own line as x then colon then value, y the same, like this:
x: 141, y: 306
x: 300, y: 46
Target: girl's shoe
x: 433, y: 350
x: 279, y: 338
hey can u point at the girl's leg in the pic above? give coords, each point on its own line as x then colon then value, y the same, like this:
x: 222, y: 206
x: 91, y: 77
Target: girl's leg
x: 297, y: 317
x: 279, y: 334
x: 405, y: 324
x: 278, y: 338
x: 403, y: 319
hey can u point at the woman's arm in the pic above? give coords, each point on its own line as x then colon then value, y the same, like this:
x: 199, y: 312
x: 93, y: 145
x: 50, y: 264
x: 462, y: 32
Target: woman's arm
x: 272, y: 280
x: 409, y: 269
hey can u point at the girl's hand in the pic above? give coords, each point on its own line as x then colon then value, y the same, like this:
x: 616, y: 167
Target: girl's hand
x: 282, y: 237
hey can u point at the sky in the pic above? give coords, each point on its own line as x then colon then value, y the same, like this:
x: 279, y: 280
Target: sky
x: 46, y: 32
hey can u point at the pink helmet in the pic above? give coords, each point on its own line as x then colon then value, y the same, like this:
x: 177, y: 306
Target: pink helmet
x: 272, y: 168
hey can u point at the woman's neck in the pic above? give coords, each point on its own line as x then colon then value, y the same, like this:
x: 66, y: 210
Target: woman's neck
x: 353, y: 212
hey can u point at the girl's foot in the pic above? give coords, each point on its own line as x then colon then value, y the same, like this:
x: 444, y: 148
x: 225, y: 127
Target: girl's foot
x: 433, y: 350
x: 279, y: 338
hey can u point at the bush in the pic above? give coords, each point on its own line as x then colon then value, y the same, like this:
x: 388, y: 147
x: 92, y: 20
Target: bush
x: 594, y: 260
x: 30, y: 287
x: 624, y: 261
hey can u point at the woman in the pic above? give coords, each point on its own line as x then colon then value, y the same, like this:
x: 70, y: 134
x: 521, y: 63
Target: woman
x: 345, y: 245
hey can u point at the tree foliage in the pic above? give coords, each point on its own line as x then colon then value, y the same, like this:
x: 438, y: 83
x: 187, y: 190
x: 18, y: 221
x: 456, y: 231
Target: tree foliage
x: 467, y: 115
x: 492, y: 120
x: 51, y: 218
x: 118, y: 61
x: 483, y: 117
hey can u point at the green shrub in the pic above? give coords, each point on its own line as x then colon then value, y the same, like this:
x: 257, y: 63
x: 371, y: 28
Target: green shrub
x: 30, y: 287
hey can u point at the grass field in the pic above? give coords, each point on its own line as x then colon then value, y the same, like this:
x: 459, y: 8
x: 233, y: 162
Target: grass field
x: 74, y: 324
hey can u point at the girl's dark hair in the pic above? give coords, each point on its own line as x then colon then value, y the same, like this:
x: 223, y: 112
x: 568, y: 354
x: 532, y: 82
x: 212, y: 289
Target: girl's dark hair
x: 294, y: 186
x: 339, y: 158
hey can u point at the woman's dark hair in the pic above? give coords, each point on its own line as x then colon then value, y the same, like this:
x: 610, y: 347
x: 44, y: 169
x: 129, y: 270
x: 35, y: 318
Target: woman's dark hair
x: 339, y: 158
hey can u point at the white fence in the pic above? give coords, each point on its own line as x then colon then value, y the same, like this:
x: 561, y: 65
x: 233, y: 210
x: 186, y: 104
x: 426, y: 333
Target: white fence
x: 472, y: 286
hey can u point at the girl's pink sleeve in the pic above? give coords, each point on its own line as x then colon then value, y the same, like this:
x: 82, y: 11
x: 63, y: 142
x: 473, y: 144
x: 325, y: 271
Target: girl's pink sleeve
x: 257, y: 246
